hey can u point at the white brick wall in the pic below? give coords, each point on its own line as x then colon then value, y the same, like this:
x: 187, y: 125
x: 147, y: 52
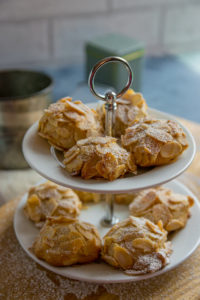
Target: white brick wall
x: 54, y: 31
x: 70, y: 35
x: 23, y: 42
x: 182, y: 24
x: 25, y: 9
x: 119, y: 4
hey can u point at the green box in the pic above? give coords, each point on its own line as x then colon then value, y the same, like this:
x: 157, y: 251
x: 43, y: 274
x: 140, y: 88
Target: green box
x: 115, y: 74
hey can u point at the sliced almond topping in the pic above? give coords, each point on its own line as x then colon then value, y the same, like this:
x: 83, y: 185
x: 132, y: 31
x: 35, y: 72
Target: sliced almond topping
x: 174, y: 225
x: 159, y: 134
x: 109, y: 259
x: 182, y: 139
x: 96, y: 140
x: 33, y: 200
x: 107, y: 166
x: 119, y: 171
x: 143, y: 202
x: 78, y: 102
x: 123, y: 257
x: 160, y: 225
x: 86, y: 233
x: 89, y: 168
x: 152, y: 227
x: 129, y: 94
x: 74, y: 166
x: 170, y: 150
x: 75, y: 107
x: 143, y: 244
x: 176, y: 199
x: 161, y: 212
x: 122, y: 114
x: 137, y: 99
x: 63, y: 100
x: 131, y: 164
x: 71, y: 154
x: 191, y: 201
x: 132, y: 113
x: 123, y: 101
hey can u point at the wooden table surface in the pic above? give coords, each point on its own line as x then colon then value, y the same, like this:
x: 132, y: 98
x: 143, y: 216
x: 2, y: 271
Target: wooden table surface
x: 21, y: 278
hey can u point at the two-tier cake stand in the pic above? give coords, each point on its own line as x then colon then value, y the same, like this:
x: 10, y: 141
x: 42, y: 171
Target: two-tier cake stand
x: 47, y: 161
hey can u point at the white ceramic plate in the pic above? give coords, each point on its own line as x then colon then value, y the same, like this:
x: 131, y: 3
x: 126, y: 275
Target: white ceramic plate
x: 184, y: 242
x: 37, y: 153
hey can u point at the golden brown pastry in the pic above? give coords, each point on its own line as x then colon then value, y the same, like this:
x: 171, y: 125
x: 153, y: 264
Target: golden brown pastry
x: 98, y: 157
x: 137, y: 246
x: 162, y: 204
x: 64, y: 242
x: 154, y: 142
x: 86, y: 197
x: 130, y: 107
x: 50, y: 199
x: 65, y: 122
x: 125, y: 198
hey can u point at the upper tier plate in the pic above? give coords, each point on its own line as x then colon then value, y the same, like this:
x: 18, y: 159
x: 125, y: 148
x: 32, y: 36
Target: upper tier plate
x: 37, y: 153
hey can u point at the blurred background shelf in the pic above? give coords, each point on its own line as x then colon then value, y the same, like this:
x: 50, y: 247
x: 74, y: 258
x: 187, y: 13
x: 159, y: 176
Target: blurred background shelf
x: 170, y: 83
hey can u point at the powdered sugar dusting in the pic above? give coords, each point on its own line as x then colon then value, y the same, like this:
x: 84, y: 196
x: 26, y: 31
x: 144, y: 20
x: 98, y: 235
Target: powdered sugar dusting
x: 21, y: 278
x: 145, y: 264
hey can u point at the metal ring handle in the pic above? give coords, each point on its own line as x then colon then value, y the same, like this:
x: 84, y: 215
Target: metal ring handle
x: 99, y: 65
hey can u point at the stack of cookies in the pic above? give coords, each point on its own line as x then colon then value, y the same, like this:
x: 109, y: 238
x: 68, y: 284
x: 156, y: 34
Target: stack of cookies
x: 138, y: 244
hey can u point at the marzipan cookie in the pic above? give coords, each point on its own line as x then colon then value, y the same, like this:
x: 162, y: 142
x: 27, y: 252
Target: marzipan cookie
x: 86, y: 197
x: 97, y: 157
x: 50, y: 199
x: 154, y: 142
x: 162, y: 204
x: 130, y: 107
x: 64, y: 242
x: 137, y: 246
x: 65, y: 122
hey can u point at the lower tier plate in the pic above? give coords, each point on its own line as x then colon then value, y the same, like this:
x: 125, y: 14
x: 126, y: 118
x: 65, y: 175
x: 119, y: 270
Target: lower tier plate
x: 184, y: 241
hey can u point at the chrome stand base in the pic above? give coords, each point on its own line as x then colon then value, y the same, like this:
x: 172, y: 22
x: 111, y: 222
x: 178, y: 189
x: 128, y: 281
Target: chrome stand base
x: 109, y: 222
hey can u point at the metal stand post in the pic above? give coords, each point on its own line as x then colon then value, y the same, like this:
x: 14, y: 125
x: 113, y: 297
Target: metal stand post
x: 110, y: 106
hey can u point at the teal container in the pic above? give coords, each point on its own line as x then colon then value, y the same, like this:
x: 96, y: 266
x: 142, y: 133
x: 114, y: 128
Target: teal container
x: 115, y: 74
